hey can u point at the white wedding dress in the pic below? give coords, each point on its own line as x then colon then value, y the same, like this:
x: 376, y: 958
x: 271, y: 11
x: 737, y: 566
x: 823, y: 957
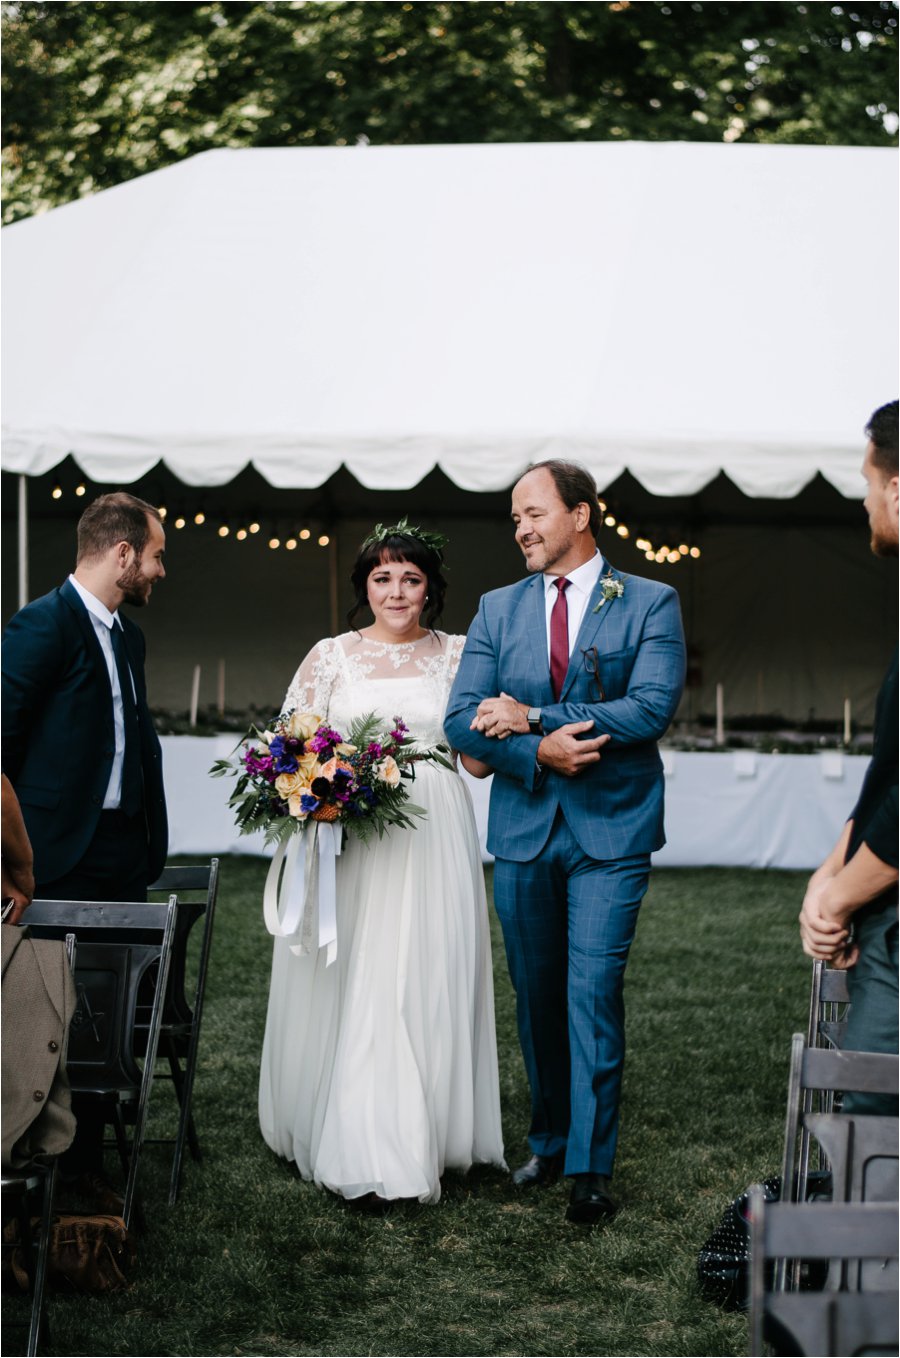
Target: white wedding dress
x: 380, y: 1071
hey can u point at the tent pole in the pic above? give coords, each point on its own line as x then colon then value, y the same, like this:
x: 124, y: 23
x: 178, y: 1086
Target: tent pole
x: 333, y: 582
x: 23, y: 541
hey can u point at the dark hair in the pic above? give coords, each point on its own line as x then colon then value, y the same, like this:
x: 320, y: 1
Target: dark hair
x: 118, y: 517
x: 399, y: 547
x: 882, y: 430
x: 575, y: 486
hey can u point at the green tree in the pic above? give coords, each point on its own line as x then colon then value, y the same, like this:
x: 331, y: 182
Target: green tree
x: 96, y: 93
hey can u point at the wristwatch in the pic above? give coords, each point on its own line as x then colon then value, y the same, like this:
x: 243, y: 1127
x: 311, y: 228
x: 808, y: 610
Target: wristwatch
x: 534, y: 721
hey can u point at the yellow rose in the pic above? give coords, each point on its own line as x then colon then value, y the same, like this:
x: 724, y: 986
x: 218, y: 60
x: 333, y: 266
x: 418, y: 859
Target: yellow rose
x: 302, y: 725
x: 308, y: 766
x: 388, y: 771
x: 344, y: 748
x: 287, y: 784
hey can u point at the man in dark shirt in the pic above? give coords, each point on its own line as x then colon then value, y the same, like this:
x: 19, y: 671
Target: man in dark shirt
x: 849, y: 914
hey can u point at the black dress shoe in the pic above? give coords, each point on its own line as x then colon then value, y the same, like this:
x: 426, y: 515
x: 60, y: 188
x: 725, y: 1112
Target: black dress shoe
x: 591, y: 1199
x: 539, y: 1171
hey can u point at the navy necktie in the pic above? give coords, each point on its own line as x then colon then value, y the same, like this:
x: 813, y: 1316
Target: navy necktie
x: 132, y: 781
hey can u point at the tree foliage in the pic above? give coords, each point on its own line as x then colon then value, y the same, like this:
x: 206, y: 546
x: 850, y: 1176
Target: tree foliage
x: 96, y: 93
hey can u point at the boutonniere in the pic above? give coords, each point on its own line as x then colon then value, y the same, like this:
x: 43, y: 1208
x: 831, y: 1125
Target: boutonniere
x: 610, y: 588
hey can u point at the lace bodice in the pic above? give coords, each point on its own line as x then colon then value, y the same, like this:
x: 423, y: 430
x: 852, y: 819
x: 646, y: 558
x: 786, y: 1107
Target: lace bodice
x: 347, y: 676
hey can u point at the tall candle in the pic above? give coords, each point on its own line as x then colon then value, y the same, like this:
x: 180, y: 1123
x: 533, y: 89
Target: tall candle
x: 195, y: 694
x: 847, y: 731
x: 720, y: 714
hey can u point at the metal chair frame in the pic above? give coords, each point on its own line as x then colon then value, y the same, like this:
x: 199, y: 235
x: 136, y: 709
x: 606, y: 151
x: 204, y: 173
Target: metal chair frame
x: 180, y: 1034
x: 822, y: 1323
x: 122, y: 940
x: 829, y: 1003
x: 19, y: 1187
x: 822, y: 1069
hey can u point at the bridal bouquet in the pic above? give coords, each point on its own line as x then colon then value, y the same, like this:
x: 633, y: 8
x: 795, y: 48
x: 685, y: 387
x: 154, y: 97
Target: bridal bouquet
x: 300, y: 769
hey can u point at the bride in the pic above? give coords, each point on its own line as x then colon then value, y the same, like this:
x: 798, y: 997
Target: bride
x: 380, y: 1071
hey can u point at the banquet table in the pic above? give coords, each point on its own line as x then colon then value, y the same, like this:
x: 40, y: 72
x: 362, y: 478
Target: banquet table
x: 732, y: 808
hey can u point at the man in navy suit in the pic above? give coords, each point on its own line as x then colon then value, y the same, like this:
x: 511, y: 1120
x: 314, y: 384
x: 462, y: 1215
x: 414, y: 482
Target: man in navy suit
x: 78, y: 741
x: 567, y: 681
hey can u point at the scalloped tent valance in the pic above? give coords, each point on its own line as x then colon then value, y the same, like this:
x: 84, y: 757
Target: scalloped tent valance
x: 674, y: 310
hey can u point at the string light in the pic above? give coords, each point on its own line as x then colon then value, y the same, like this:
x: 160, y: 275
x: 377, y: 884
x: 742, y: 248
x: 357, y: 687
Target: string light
x: 663, y: 554
x: 305, y: 534
x: 274, y: 543
x: 291, y: 544
x: 199, y: 517
x: 241, y: 534
x: 180, y: 521
x: 223, y: 530
x: 254, y: 527
x: 56, y: 492
x: 161, y: 509
x: 324, y: 540
x: 80, y: 489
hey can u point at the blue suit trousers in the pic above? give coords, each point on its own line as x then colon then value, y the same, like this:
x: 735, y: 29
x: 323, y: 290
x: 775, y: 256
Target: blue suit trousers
x: 568, y: 923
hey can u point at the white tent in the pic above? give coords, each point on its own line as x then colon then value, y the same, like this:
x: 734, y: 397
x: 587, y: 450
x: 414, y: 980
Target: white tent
x: 671, y: 311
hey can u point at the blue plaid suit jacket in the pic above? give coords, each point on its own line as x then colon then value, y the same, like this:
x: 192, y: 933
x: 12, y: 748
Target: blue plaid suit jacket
x: 614, y: 808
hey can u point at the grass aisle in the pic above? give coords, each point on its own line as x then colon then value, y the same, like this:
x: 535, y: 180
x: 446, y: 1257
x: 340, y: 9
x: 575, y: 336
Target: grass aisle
x: 254, y: 1261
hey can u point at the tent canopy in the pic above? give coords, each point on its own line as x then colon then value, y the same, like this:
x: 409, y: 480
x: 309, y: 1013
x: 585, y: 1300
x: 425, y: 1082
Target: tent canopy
x: 670, y: 310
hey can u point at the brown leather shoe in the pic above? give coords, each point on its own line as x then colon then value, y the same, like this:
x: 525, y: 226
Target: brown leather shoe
x: 539, y: 1171
x: 590, y: 1199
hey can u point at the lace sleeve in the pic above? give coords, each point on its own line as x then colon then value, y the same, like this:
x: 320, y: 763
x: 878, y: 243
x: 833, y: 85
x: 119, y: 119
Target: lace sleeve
x: 310, y: 688
x: 455, y: 646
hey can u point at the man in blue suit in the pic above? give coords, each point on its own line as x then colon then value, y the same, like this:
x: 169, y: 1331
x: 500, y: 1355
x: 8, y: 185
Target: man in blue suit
x: 567, y: 681
x: 78, y: 741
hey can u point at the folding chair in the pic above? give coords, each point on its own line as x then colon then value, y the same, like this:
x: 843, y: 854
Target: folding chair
x: 823, y: 1069
x: 821, y: 1323
x: 117, y: 944
x: 180, y: 1035
x: 18, y: 1190
x: 829, y: 1003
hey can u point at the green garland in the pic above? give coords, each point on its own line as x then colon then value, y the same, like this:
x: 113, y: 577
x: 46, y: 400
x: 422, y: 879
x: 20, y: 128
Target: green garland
x: 435, y: 542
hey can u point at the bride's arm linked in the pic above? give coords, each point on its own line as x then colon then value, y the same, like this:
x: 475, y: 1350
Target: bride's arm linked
x: 477, y: 768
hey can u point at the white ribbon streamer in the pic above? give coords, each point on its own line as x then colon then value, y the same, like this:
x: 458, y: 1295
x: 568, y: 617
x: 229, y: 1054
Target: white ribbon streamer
x: 305, y: 905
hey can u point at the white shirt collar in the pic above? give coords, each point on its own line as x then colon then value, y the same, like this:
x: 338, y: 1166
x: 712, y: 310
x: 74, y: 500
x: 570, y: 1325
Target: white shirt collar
x: 583, y: 578
x: 94, y: 605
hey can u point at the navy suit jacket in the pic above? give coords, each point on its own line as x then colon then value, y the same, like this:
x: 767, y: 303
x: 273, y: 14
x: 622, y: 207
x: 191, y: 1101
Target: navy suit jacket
x: 614, y: 808
x: 58, y: 738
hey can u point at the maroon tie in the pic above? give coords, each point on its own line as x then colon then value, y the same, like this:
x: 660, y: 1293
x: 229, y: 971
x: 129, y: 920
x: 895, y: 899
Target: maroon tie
x: 559, y: 637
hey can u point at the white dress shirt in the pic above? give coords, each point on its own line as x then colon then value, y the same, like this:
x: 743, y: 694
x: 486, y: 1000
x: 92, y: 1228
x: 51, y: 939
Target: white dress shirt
x: 104, y: 622
x: 581, y: 586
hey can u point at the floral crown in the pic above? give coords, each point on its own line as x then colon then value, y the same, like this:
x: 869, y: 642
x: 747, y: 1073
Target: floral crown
x: 435, y: 542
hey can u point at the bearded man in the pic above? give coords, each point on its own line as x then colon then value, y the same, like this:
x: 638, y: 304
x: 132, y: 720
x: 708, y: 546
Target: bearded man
x: 849, y: 914
x: 79, y: 746
x: 567, y: 681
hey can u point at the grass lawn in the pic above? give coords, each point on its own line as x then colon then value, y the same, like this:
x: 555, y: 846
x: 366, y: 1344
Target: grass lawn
x: 254, y: 1261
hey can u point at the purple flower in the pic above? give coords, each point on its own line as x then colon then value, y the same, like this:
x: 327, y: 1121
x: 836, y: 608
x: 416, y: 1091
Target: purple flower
x: 374, y: 750
x: 308, y: 803
x: 323, y: 740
